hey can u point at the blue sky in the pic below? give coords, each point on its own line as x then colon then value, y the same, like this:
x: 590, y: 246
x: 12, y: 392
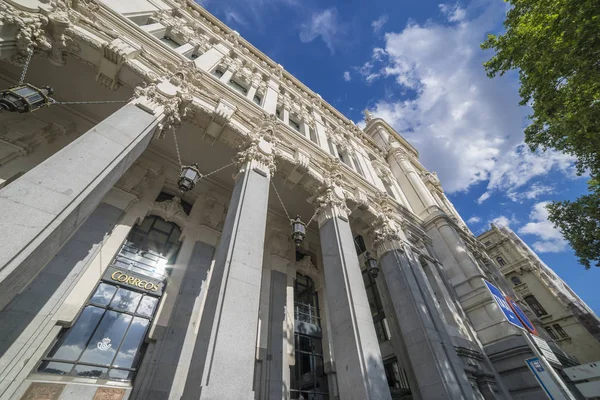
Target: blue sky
x: 418, y: 65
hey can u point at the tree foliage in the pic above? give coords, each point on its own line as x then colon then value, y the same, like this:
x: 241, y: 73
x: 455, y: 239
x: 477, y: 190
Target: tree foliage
x: 555, y: 46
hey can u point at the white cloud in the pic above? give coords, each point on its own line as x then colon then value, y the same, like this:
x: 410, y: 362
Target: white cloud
x: 454, y: 13
x: 467, y: 127
x: 379, y: 23
x: 533, y: 192
x: 347, y: 76
x: 550, y: 240
x: 483, y: 197
x: 324, y: 24
x: 232, y: 16
x: 473, y: 220
x: 504, y: 221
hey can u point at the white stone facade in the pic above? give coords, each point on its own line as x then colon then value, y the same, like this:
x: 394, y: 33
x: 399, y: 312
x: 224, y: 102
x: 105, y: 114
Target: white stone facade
x: 564, y: 315
x: 114, y: 283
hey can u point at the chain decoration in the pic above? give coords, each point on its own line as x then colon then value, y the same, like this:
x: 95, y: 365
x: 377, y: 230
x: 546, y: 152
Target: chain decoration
x: 26, y: 66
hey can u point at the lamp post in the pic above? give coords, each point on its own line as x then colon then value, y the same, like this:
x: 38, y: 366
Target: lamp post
x: 25, y: 98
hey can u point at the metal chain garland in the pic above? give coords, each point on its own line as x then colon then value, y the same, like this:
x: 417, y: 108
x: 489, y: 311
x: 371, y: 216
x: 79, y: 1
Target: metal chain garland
x: 29, y: 55
x: 62, y: 103
x: 217, y: 170
x: 177, y: 148
x: 277, y: 193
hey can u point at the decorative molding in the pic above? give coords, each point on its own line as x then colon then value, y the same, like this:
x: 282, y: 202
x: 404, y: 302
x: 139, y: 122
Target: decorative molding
x: 115, y: 54
x: 170, y: 211
x: 386, y: 232
x: 260, y: 146
x: 167, y: 96
x: 306, y: 267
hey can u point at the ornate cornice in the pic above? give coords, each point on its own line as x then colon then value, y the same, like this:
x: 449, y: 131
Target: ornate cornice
x: 386, y: 232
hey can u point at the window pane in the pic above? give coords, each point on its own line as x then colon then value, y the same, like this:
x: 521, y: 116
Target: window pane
x: 147, y: 306
x: 89, y: 372
x: 51, y: 367
x: 162, y: 225
x: 129, y: 349
x: 120, y: 375
x: 78, y: 336
x: 103, y: 294
x: 106, y: 340
x: 156, y: 241
x: 126, y: 300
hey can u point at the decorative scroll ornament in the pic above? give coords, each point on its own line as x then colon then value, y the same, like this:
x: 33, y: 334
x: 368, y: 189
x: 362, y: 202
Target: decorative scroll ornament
x: 170, y: 210
x: 174, y: 106
x: 260, y: 145
x: 386, y: 233
x: 306, y: 267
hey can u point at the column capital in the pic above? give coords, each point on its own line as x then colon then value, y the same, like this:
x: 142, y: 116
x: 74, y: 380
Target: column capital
x: 259, y: 149
x: 387, y: 233
x: 330, y: 201
x: 398, y: 153
x: 169, y: 97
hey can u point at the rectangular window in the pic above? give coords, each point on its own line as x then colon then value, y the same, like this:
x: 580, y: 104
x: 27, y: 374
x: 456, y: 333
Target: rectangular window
x: 279, y: 114
x: 560, y: 331
x: 396, y: 377
x: 388, y: 189
x: 238, y: 87
x: 105, y: 341
x: 313, y: 135
x: 342, y: 157
x: 535, y: 306
x: 294, y: 125
x: 357, y: 166
x: 331, y: 148
x: 257, y: 99
x: 551, y: 332
x: 169, y: 42
x: 376, y: 307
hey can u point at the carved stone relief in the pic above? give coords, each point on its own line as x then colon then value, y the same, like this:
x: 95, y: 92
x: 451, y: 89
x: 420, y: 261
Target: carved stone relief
x: 43, y: 391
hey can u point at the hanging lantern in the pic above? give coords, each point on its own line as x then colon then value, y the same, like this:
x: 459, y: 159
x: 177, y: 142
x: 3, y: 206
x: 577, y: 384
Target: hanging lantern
x: 25, y: 98
x: 189, y: 176
x: 371, y: 265
x: 298, y: 230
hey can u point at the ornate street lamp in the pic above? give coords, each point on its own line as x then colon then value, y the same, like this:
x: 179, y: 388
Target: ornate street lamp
x: 25, y: 98
x: 189, y: 177
x: 371, y: 265
x: 298, y: 230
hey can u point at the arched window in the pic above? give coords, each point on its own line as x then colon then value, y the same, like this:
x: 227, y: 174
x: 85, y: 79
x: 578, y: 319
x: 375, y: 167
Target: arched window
x: 106, y: 341
x: 516, y: 281
x: 501, y: 261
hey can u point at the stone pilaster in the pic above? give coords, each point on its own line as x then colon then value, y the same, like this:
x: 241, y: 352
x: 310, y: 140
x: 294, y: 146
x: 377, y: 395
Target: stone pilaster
x: 223, y: 361
x: 399, y: 156
x: 359, y: 367
x: 433, y: 359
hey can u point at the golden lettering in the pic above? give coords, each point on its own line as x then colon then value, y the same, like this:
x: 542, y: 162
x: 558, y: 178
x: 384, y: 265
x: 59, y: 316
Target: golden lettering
x: 120, y: 276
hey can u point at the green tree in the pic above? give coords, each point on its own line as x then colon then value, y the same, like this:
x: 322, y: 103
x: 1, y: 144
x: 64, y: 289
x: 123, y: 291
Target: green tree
x: 555, y: 46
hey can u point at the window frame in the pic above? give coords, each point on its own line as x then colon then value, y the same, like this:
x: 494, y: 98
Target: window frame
x: 107, y: 308
x: 560, y: 331
x: 501, y: 261
x: 535, y: 305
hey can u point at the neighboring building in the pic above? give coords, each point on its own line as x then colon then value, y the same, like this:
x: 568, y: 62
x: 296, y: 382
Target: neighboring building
x: 115, y: 284
x: 565, y: 317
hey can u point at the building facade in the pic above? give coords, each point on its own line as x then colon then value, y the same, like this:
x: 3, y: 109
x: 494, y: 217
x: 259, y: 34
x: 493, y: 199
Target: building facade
x: 564, y: 316
x: 115, y: 284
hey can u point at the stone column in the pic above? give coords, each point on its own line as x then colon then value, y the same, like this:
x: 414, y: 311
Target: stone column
x: 270, y: 103
x: 432, y: 356
x: 402, y: 159
x: 224, y: 356
x: 358, y: 362
x: 40, y: 210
